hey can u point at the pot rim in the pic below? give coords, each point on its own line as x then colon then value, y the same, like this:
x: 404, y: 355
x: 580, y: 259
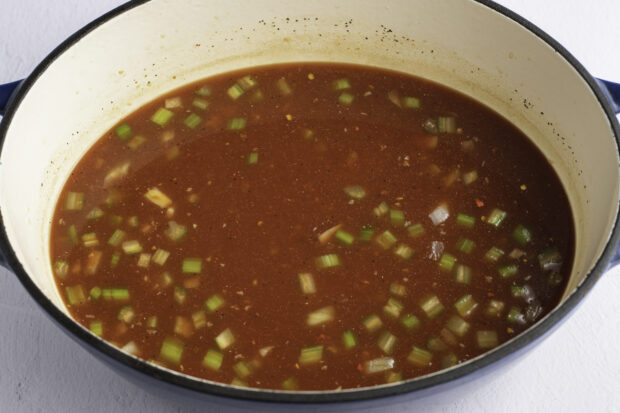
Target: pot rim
x: 213, y: 388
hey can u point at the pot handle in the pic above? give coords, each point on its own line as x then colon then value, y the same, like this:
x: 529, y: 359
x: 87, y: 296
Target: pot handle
x: 6, y: 91
x: 611, y: 91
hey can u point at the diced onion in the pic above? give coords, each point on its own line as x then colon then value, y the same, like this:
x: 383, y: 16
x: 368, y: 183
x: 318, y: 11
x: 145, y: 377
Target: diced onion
x: 439, y: 215
x: 378, y: 365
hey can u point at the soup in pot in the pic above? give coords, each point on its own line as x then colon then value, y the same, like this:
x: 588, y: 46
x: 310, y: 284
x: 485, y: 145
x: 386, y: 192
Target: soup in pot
x: 311, y: 226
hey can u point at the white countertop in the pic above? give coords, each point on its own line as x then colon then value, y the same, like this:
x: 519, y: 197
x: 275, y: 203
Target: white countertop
x: 577, y: 369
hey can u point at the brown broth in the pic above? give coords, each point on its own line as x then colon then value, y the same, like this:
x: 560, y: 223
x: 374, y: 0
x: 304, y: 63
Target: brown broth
x: 254, y: 227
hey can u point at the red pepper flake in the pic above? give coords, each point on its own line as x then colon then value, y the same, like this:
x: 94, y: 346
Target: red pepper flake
x: 479, y: 203
x: 360, y: 367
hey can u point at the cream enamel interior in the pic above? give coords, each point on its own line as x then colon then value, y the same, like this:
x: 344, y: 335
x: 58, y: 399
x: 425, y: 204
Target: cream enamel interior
x: 164, y: 44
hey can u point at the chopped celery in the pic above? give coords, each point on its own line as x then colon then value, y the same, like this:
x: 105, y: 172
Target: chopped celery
x: 381, y: 209
x: 470, y: 177
x: 508, y: 270
x: 410, y: 322
x: 162, y: 116
x: 158, y: 198
x: 487, y: 339
x: 306, y: 282
x: 131, y: 247
x: 341, y: 84
x: 308, y: 134
x: 192, y: 121
x: 96, y: 327
x: 290, y: 384
x: 242, y: 369
x: 386, y: 240
x: 236, y: 124
x: 398, y: 289
x: 550, y: 259
x: 73, y: 236
x: 204, y: 91
x: 496, y: 217
x: 415, y: 230
x: 160, y: 256
x: 183, y: 327
x: 344, y: 237
x: 284, y: 87
x: 403, y: 251
x: 201, y: 104
x: 238, y: 382
x: 74, y: 201
x: 515, y: 316
x: 235, y: 91
x: 225, y: 339
x: 349, y: 340
x: 420, y: 357
x: 372, y: 323
x: 321, y: 316
x: 397, y: 218
x: 311, y: 355
x: 436, y: 344
x: 192, y: 265
x: 457, y: 325
x: 365, y: 234
x: 92, y: 262
x: 251, y: 158
x: 465, y: 245
x: 355, y: 192
x: 115, y: 220
x: 116, y: 257
x: 171, y: 350
x: 462, y: 275
x: 213, y: 360
x: 95, y: 213
x: 176, y: 231
x: 465, y: 220
x: 75, y: 295
x: 449, y: 360
x: 117, y: 294
x: 346, y: 98
x: 387, y: 342
x: 247, y: 82
x: 519, y: 291
x: 123, y: 131
x: 90, y: 240
x: 180, y: 294
x: 432, y: 306
x: 327, y: 261
x: 95, y: 293
x: 410, y: 102
x: 116, y: 237
x: 214, y: 303
x: 144, y: 260
x: 466, y: 305
x: 522, y: 235
x: 447, y: 261
x: 493, y: 254
x: 136, y: 142
x: 61, y: 269
x: 446, y: 124
x: 393, y: 308
x: 494, y: 308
